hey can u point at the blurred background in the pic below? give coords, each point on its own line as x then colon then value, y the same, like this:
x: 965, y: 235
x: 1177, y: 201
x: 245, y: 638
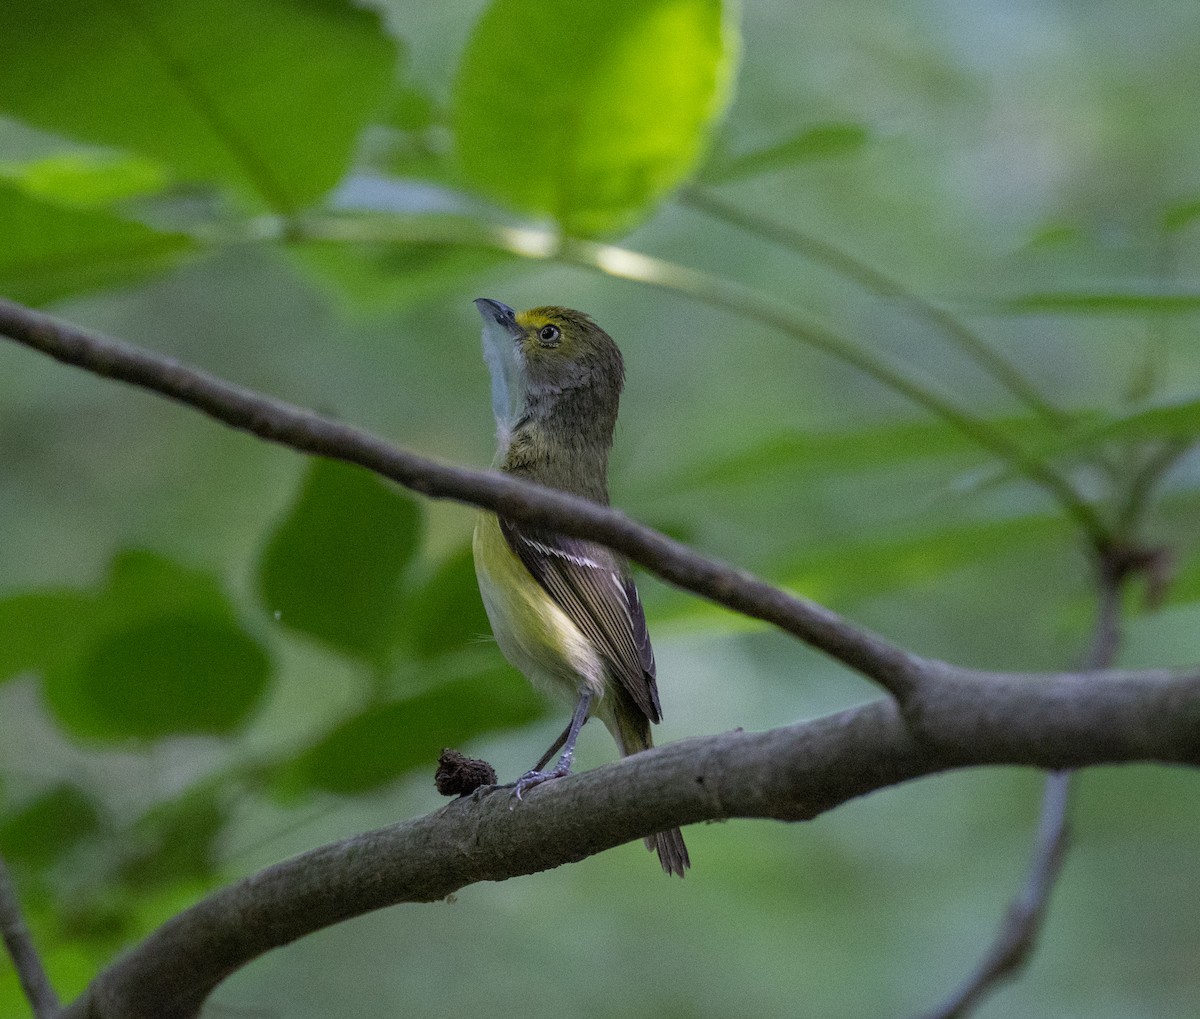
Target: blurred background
x: 216, y: 655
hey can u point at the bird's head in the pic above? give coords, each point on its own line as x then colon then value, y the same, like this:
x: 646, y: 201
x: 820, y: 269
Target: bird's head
x: 546, y: 354
x: 556, y: 348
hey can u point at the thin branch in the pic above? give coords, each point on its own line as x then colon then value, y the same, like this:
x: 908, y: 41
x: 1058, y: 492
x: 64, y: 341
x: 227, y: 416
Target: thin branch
x: 807, y: 246
x: 717, y: 292
x: 21, y: 949
x: 1145, y: 480
x: 1016, y: 940
x: 892, y: 667
x: 792, y: 773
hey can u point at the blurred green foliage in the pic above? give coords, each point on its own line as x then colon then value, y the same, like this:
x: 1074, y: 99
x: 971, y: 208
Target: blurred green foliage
x: 213, y: 655
x: 332, y: 567
x: 589, y: 112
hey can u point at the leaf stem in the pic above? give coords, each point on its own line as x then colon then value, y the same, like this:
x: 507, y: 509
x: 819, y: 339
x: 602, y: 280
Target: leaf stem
x: 841, y: 261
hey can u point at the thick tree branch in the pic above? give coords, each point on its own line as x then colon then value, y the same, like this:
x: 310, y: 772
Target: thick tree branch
x: 21, y: 949
x: 792, y: 773
x: 947, y: 717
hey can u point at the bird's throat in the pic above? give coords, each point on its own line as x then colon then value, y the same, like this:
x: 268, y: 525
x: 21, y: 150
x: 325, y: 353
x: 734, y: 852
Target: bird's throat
x: 562, y: 440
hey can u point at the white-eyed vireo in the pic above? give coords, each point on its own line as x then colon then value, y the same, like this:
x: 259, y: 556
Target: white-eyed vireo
x: 565, y: 611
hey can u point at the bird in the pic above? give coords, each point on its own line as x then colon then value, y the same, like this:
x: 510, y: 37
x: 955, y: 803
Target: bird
x: 565, y: 611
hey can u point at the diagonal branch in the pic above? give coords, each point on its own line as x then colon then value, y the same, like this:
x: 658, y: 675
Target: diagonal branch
x: 21, y: 949
x: 890, y: 666
x: 792, y: 773
x: 894, y: 668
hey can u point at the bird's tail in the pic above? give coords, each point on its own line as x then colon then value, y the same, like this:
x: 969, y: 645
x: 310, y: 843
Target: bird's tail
x: 632, y: 731
x: 672, y: 853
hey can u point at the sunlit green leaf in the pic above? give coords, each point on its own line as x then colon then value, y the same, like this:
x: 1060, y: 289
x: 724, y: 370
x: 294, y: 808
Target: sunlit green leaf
x: 589, y: 112
x: 87, y: 179
x: 333, y: 567
x: 269, y: 96
x: 381, y: 744
x: 47, y: 826
x: 51, y: 251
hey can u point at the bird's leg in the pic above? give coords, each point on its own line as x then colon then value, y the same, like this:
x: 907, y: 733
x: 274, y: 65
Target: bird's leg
x: 554, y: 748
x: 566, y: 741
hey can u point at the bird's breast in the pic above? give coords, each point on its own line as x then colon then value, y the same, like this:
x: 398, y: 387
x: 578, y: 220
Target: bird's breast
x: 535, y: 635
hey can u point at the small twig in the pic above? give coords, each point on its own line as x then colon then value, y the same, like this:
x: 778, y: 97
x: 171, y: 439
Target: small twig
x: 17, y: 939
x: 1015, y: 941
x: 1023, y: 922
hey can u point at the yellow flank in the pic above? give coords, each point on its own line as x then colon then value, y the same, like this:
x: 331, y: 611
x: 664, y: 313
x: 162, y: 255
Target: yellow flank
x: 536, y: 636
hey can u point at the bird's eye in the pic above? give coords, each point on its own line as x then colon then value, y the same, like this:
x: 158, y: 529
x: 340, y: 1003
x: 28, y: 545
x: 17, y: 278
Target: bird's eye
x: 549, y: 336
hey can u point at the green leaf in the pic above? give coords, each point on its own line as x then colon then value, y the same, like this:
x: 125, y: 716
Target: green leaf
x: 377, y: 277
x: 170, y: 675
x: 87, y: 179
x: 446, y: 613
x: 411, y: 109
x: 142, y: 582
x: 41, y: 629
x: 52, y: 823
x: 1176, y: 419
x: 159, y: 652
x: 417, y: 145
x: 845, y: 571
x: 333, y: 567
x: 384, y: 742
x: 1119, y: 302
x: 1182, y: 215
x: 268, y: 96
x: 589, y: 112
x: 866, y: 449
x: 175, y: 841
x: 50, y: 251
x: 821, y: 141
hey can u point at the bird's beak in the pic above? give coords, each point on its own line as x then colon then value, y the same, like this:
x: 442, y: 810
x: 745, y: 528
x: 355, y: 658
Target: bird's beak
x: 501, y: 314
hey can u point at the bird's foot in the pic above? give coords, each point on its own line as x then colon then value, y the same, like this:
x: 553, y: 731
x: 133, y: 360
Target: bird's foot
x: 534, y: 778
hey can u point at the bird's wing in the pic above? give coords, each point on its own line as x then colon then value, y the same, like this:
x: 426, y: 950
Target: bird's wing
x: 594, y: 588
